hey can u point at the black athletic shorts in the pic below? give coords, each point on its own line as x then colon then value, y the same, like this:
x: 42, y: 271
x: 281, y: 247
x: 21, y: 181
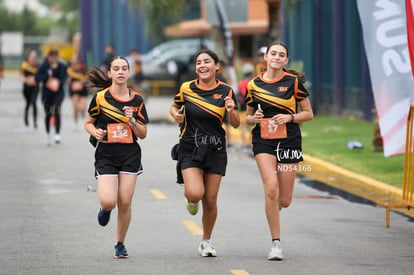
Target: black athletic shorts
x: 83, y: 93
x: 214, y: 161
x: 114, y: 158
x: 282, y: 153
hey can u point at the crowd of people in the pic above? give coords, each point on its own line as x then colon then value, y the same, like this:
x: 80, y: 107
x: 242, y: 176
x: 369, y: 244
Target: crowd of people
x: 270, y: 103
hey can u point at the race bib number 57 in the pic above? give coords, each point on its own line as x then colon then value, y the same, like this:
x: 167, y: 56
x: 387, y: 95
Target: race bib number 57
x: 119, y: 133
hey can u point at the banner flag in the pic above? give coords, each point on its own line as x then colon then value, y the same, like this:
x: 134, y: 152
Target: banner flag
x: 410, y: 31
x: 385, y: 40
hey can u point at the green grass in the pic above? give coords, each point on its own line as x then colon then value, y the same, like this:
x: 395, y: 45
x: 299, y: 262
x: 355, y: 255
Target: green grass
x: 327, y: 138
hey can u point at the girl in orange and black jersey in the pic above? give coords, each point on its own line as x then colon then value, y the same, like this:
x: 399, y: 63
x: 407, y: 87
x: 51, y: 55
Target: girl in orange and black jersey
x: 276, y: 102
x: 30, y: 87
x: 77, y: 72
x: 117, y: 118
x: 200, y: 107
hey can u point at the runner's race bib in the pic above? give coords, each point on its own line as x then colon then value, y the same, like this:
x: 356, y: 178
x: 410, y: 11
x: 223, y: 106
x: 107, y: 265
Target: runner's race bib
x: 269, y: 129
x: 119, y: 133
x: 30, y: 81
x: 76, y: 86
x: 53, y: 84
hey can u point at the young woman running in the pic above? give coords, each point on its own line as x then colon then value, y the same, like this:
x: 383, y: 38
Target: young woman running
x: 276, y: 102
x: 117, y: 118
x: 52, y: 73
x: 199, y: 107
x: 30, y: 86
x: 77, y: 88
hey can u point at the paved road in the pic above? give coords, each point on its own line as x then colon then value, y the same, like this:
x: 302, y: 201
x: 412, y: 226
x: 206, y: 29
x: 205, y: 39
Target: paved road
x: 48, y: 218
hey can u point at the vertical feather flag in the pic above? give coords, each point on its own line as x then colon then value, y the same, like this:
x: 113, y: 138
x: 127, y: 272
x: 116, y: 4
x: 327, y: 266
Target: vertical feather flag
x: 385, y: 28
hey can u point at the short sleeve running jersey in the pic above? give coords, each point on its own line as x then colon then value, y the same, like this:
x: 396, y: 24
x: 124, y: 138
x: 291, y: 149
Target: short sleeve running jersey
x: 27, y: 69
x: 78, y: 73
x: 106, y: 109
x: 204, y: 110
x: 280, y: 96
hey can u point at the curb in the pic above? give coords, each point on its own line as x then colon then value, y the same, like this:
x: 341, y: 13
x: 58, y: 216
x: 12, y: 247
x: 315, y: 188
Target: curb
x: 378, y: 192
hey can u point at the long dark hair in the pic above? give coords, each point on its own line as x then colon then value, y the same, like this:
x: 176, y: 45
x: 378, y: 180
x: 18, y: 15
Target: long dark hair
x: 98, y: 77
x: 301, y: 77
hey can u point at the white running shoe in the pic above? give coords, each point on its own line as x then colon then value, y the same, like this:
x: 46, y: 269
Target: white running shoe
x: 58, y: 139
x: 48, y: 140
x: 206, y: 249
x: 191, y: 207
x: 276, y: 251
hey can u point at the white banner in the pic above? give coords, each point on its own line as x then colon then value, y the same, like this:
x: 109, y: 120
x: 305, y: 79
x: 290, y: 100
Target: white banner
x: 385, y: 39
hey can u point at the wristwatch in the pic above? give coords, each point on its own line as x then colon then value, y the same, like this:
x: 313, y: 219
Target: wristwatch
x: 133, y: 124
x: 292, y: 118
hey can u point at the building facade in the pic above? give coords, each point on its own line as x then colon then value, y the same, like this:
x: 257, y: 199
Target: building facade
x: 326, y: 35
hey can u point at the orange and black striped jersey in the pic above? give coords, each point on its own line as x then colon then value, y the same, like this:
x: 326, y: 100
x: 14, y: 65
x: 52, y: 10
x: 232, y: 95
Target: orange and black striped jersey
x: 27, y: 69
x: 280, y: 96
x: 77, y: 73
x: 204, y: 110
x: 106, y: 108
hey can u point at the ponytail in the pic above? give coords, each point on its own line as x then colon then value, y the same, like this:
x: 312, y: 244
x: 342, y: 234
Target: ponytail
x: 98, y: 78
x: 301, y: 77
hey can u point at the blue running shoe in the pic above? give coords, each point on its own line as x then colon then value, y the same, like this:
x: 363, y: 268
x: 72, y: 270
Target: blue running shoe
x: 103, y: 216
x: 120, y: 251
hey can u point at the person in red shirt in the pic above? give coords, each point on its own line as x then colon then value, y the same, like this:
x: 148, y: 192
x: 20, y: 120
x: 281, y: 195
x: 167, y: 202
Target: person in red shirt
x: 247, y: 70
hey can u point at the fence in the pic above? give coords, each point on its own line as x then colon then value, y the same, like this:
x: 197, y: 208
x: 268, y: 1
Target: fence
x: 408, y: 184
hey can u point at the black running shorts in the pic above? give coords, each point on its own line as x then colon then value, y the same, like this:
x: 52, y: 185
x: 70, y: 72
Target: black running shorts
x: 282, y: 153
x: 114, y: 158
x: 214, y: 162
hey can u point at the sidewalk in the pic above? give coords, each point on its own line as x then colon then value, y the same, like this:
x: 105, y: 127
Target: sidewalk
x: 380, y: 193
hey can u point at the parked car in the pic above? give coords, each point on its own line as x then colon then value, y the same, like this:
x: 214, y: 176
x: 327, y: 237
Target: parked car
x: 170, y: 63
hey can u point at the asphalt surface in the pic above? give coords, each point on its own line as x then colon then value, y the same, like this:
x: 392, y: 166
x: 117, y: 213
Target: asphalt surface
x: 48, y: 221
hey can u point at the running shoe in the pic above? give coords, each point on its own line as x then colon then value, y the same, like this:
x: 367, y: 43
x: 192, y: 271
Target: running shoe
x: 206, y: 249
x: 191, y: 207
x: 103, y: 216
x: 275, y: 253
x: 48, y: 140
x: 120, y: 251
x: 58, y: 139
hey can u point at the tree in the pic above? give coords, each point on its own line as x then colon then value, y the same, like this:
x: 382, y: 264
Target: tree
x: 159, y: 14
x: 10, y: 21
x: 28, y: 22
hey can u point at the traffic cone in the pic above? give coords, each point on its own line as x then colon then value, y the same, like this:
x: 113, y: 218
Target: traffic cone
x: 52, y: 120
